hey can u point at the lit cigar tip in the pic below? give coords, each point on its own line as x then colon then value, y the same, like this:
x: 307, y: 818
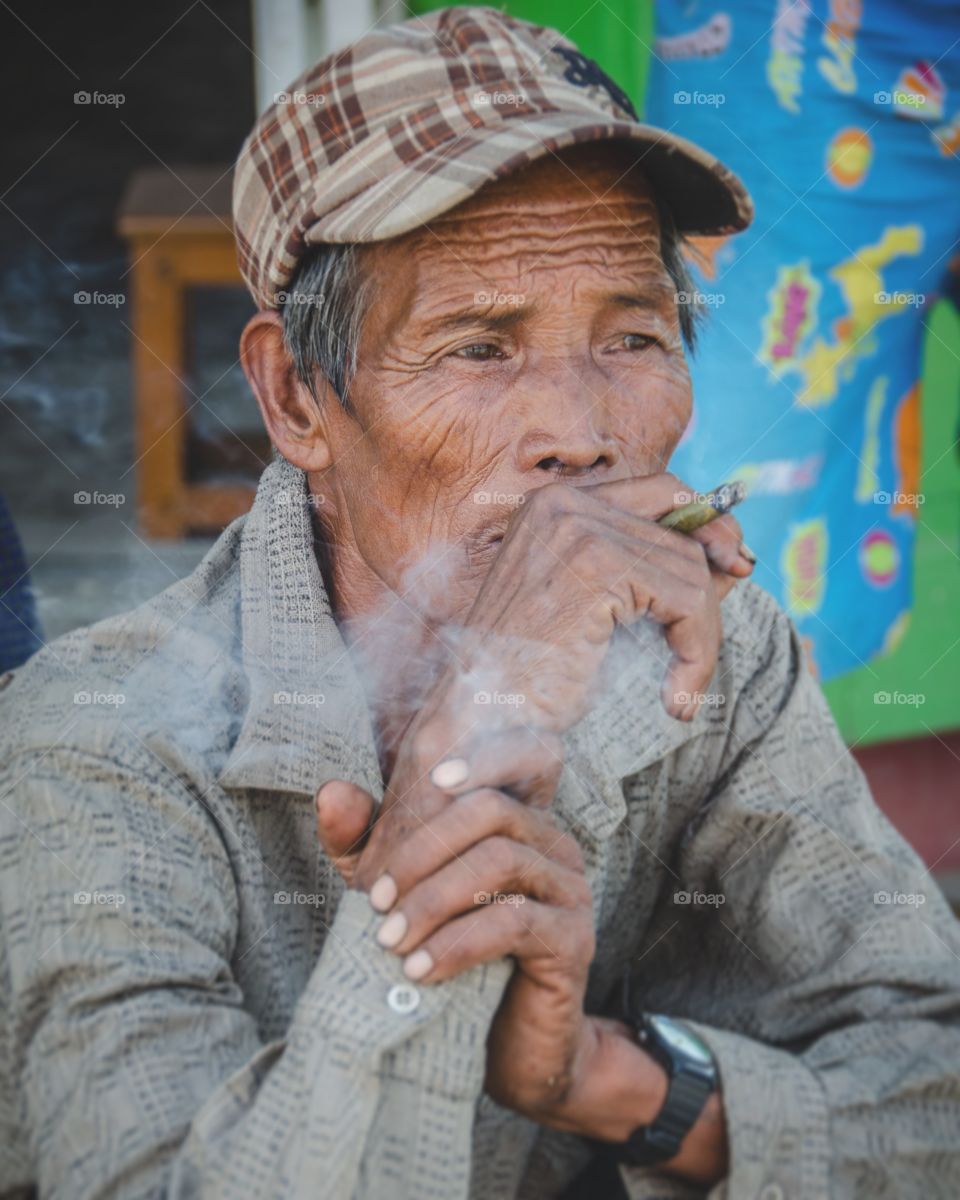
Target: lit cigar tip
x: 450, y: 774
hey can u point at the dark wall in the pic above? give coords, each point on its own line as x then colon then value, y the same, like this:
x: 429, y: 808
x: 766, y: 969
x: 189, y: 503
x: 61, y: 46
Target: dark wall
x: 185, y: 71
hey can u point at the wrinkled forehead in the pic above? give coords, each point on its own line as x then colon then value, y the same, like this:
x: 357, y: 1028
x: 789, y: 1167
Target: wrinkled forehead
x: 591, y: 205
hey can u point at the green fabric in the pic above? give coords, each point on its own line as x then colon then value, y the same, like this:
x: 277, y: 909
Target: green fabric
x: 926, y: 664
x: 617, y: 34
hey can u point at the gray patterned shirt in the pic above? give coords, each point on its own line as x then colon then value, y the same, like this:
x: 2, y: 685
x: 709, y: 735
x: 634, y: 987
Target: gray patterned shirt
x: 194, y: 1006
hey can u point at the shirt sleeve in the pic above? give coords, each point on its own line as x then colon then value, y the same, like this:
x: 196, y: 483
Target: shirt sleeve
x: 140, y: 1071
x: 808, y: 945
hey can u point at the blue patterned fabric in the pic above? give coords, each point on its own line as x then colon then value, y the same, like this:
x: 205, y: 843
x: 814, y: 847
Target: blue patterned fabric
x: 843, y: 120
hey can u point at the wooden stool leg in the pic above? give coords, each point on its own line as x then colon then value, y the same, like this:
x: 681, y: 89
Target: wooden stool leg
x: 160, y: 424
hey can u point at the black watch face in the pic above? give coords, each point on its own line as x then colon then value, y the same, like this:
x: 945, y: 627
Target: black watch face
x: 681, y: 1039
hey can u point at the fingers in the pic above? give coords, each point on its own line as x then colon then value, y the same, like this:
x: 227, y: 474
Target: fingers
x: 523, y: 761
x: 344, y: 815
x: 647, y: 496
x: 469, y: 820
x: 527, y: 931
x: 496, y: 871
x: 679, y: 595
x: 723, y: 542
x: 651, y: 496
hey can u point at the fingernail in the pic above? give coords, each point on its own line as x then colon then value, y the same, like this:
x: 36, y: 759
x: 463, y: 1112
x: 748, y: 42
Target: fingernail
x: 383, y: 894
x: 747, y: 553
x: 417, y: 964
x: 392, y: 930
x: 450, y: 774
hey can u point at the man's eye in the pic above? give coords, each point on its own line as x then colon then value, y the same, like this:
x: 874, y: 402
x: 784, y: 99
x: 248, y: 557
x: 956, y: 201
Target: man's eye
x: 479, y: 351
x: 638, y: 341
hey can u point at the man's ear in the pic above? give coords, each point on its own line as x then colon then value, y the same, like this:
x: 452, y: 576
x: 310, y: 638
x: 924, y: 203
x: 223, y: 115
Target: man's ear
x: 294, y: 420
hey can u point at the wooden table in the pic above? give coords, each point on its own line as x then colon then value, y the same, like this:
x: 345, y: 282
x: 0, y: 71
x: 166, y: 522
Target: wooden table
x: 179, y: 232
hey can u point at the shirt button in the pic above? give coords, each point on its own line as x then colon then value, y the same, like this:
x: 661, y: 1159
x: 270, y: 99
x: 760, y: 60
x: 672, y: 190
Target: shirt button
x: 403, y: 998
x: 771, y: 1191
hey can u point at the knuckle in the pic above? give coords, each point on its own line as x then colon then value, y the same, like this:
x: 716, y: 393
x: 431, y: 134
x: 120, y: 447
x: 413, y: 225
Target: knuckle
x: 431, y: 743
x: 509, y: 915
x: 424, y: 907
x: 555, y: 499
x: 581, y: 545
x: 698, y: 552
x: 567, y: 531
x: 494, y: 813
x: 500, y: 856
x: 696, y: 600
x: 681, y: 492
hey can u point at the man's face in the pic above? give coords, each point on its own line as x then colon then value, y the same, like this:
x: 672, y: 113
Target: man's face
x: 527, y: 336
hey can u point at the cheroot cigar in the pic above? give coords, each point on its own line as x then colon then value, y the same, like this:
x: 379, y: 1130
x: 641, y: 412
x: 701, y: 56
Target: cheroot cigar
x: 707, y: 508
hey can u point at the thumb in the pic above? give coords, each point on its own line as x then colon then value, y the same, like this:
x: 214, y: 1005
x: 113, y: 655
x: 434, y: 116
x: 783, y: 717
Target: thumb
x: 344, y: 814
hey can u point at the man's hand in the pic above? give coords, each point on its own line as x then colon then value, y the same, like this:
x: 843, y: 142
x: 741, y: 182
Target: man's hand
x: 486, y: 877
x: 525, y: 761
x: 574, y: 563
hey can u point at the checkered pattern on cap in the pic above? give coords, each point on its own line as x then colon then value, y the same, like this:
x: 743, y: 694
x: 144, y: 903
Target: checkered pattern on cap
x: 414, y: 118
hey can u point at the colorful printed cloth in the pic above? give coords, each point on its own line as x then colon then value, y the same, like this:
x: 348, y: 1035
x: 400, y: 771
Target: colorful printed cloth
x: 843, y: 120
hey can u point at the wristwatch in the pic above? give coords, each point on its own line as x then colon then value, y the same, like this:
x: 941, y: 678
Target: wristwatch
x: 692, y: 1076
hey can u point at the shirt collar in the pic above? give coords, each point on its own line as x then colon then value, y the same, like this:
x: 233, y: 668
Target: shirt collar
x: 308, y: 721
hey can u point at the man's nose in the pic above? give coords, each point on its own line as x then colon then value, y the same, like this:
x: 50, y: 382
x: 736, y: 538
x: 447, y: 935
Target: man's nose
x: 568, y: 436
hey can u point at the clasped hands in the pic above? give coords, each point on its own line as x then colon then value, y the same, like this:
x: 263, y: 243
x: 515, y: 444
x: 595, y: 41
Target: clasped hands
x: 464, y: 857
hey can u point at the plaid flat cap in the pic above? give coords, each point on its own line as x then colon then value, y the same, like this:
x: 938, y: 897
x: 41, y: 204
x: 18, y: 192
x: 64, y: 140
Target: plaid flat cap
x: 414, y: 118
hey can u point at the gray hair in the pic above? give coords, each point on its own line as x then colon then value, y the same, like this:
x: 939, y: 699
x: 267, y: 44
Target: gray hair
x: 323, y: 317
x: 330, y: 294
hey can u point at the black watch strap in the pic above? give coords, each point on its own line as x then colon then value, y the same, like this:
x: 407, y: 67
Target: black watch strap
x: 686, y: 1096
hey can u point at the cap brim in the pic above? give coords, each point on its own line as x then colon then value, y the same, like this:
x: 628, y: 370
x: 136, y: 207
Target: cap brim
x: 703, y: 195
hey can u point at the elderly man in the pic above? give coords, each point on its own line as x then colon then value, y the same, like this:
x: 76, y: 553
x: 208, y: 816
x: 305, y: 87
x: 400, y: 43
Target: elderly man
x: 443, y: 834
